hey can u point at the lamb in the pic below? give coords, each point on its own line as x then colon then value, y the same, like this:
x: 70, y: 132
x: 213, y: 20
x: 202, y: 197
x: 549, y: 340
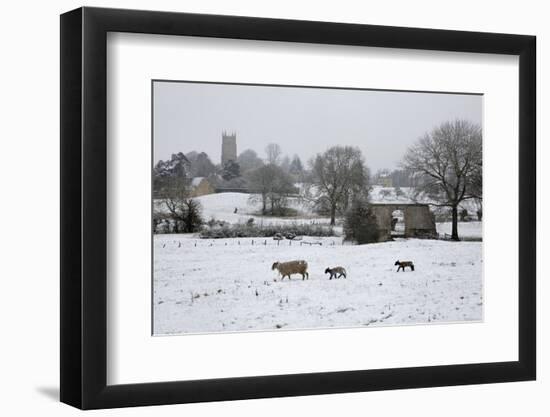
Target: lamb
x: 336, y: 270
x: 403, y: 264
x: 292, y: 267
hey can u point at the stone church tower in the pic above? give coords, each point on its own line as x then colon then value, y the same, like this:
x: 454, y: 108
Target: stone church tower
x: 229, y: 147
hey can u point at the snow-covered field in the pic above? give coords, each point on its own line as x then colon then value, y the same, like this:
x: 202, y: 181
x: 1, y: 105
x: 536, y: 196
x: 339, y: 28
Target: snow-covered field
x: 227, y: 285
x: 465, y: 229
x: 222, y: 207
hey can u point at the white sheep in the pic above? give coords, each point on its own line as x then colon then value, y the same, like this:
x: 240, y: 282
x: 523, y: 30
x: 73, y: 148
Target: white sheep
x: 292, y: 267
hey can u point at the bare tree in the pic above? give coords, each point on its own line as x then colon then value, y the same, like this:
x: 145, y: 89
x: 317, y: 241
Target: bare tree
x: 260, y: 181
x: 273, y: 153
x: 285, y: 164
x: 249, y: 160
x: 447, y: 165
x: 273, y: 185
x: 340, y: 174
x: 296, y: 168
x: 477, y: 188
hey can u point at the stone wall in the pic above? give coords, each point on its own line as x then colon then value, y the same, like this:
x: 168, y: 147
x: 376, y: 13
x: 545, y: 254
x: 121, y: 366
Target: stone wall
x: 419, y: 220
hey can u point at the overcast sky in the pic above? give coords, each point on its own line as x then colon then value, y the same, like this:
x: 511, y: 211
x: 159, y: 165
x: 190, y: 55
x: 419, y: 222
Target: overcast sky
x: 304, y: 121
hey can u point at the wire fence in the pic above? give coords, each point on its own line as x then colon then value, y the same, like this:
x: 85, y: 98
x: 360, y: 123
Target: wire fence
x: 269, y: 242
x: 206, y: 243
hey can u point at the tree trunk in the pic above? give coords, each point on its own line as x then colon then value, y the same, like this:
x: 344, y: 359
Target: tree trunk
x: 333, y: 214
x: 454, y: 233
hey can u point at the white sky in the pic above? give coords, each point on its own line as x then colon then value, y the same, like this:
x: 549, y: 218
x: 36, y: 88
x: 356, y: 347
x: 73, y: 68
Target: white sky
x: 303, y: 121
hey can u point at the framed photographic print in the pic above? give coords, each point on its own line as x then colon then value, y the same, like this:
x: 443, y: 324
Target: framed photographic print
x: 257, y: 207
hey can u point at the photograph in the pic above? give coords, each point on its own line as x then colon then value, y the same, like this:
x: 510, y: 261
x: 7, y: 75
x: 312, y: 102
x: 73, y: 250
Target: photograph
x: 300, y: 207
x: 357, y: 185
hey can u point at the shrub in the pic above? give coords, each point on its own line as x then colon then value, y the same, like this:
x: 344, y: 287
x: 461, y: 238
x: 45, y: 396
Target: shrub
x: 181, y: 216
x: 281, y: 211
x: 252, y: 230
x: 360, y: 224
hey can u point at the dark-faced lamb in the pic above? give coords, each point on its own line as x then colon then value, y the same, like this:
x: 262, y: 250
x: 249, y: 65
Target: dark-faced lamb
x: 286, y: 269
x: 336, y: 272
x: 403, y: 264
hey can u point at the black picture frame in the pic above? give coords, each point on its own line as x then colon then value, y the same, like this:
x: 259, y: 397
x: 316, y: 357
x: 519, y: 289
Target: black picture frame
x: 84, y: 207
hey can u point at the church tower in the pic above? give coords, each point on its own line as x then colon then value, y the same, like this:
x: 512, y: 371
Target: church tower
x: 229, y: 147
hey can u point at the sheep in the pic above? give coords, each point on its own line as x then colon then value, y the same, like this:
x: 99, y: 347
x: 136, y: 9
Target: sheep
x: 336, y: 270
x: 292, y: 267
x: 403, y: 264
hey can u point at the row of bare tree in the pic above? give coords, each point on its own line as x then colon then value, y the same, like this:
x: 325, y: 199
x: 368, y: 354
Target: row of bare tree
x: 338, y: 175
x: 445, y: 167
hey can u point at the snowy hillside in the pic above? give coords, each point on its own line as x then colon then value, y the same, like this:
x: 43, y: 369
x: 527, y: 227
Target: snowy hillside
x: 221, y: 206
x: 228, y: 285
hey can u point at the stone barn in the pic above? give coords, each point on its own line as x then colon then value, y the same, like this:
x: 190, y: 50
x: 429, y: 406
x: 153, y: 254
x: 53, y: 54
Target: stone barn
x: 404, y: 220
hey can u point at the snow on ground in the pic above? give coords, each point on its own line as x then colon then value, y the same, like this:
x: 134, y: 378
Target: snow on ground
x: 465, y: 229
x: 227, y: 284
x: 222, y: 206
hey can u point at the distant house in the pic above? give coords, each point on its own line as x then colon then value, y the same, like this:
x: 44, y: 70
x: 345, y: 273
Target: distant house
x: 385, y: 181
x: 201, y: 186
